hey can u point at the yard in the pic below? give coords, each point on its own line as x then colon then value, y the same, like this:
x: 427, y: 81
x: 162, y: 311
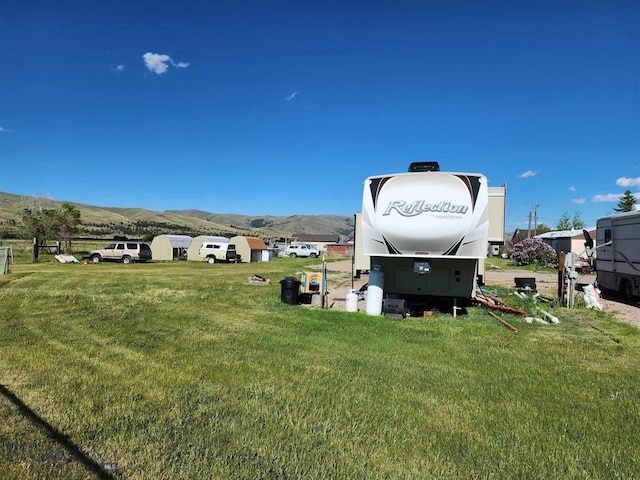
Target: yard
x: 184, y: 370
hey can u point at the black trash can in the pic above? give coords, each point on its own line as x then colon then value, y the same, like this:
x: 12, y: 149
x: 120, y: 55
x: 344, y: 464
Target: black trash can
x: 289, y: 288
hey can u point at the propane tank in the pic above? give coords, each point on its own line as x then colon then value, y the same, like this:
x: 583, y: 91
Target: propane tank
x: 352, y: 301
x: 374, y: 291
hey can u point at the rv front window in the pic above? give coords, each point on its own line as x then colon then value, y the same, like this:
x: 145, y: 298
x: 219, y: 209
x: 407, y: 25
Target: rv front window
x: 607, y: 235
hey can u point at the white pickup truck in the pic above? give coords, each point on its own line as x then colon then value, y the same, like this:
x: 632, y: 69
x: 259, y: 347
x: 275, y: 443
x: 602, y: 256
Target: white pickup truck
x: 214, y: 252
x: 294, y: 251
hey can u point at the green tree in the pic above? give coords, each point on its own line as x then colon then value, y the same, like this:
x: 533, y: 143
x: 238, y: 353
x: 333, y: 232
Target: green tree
x: 68, y: 221
x: 45, y: 220
x: 564, y: 223
x: 542, y: 228
x: 568, y: 223
x: 38, y: 221
x: 627, y: 201
x: 576, y: 222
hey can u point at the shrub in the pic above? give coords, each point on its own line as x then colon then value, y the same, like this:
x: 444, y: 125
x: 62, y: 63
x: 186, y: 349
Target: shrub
x: 533, y: 251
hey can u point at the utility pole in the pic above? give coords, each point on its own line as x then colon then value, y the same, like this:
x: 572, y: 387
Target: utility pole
x: 535, y: 220
x: 529, y: 227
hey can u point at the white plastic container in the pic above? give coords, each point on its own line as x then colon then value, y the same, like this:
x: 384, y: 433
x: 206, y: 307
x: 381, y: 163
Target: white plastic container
x: 352, y: 301
x: 374, y: 291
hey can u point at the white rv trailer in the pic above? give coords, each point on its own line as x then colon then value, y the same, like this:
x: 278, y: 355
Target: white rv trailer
x: 618, y: 258
x: 427, y: 232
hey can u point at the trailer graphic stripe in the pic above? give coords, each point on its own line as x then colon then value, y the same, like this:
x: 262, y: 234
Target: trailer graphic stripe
x: 473, y: 185
x: 391, y: 248
x: 454, y: 248
x: 375, y: 186
x: 627, y: 261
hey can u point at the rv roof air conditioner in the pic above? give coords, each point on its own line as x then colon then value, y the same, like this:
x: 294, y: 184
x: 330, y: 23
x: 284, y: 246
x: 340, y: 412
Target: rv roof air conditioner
x: 424, y: 167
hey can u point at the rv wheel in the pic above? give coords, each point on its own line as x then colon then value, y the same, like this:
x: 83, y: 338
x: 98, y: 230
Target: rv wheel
x: 211, y: 259
x: 625, y: 289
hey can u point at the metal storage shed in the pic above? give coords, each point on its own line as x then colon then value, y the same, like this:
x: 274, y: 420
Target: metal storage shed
x: 196, y: 244
x: 567, y: 240
x: 170, y: 247
x: 250, y: 248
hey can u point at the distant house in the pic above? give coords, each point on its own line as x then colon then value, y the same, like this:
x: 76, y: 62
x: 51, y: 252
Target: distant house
x: 567, y: 240
x: 170, y: 247
x: 339, y: 249
x: 251, y: 249
x: 319, y: 240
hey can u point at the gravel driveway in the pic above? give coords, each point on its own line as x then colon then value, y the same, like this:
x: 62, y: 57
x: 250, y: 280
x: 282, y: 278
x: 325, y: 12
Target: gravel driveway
x: 339, y: 284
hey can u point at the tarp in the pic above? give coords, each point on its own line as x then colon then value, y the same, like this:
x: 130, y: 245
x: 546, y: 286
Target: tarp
x: 67, y: 259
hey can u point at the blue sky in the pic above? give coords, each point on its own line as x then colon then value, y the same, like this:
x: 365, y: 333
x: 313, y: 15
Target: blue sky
x: 281, y: 108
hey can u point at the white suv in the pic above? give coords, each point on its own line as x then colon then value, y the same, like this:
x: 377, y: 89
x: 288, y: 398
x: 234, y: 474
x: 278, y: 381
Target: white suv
x: 302, y: 251
x: 125, y: 252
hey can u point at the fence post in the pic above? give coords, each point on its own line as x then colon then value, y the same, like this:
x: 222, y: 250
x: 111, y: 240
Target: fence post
x: 34, y: 250
x: 561, y: 284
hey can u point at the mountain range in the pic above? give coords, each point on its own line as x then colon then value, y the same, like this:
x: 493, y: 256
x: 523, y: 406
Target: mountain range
x: 107, y: 222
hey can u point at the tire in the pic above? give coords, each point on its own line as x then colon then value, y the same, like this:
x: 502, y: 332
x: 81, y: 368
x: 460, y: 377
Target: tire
x: 313, y: 255
x: 211, y: 259
x: 293, y: 255
x: 95, y: 258
x: 626, y: 290
x: 126, y: 259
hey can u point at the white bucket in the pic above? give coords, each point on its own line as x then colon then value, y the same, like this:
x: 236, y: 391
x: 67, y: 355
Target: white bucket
x: 374, y: 291
x: 352, y: 301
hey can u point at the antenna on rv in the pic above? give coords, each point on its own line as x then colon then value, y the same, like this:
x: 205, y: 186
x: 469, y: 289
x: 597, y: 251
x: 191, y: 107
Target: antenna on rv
x: 424, y: 167
x: 588, y: 240
x: 588, y: 246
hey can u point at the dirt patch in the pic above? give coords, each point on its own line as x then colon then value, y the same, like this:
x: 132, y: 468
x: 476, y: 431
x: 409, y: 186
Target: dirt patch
x: 339, y: 283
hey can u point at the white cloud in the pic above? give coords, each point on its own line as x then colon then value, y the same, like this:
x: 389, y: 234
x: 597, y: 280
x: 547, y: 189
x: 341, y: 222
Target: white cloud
x: 290, y: 97
x: 579, y: 201
x: 3, y: 130
x: 528, y: 173
x: 572, y: 188
x: 119, y: 68
x: 156, y: 63
x: 628, y: 182
x: 608, y: 197
x: 159, y: 63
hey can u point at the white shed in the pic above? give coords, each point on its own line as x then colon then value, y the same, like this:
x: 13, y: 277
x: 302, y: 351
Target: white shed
x: 196, y: 244
x: 170, y: 247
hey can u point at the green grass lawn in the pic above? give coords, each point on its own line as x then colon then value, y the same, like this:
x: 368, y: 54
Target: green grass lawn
x: 183, y: 370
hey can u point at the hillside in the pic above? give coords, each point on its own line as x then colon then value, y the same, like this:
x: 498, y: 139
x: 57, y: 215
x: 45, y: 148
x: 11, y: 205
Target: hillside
x: 105, y: 222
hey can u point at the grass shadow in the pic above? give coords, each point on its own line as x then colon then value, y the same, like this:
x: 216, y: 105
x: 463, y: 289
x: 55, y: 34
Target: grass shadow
x: 106, y: 471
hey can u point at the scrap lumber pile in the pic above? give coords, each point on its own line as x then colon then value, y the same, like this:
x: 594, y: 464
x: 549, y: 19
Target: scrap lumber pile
x: 258, y: 280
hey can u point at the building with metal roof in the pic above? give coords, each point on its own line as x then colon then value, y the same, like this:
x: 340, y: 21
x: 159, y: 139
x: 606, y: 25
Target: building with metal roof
x: 170, y: 247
